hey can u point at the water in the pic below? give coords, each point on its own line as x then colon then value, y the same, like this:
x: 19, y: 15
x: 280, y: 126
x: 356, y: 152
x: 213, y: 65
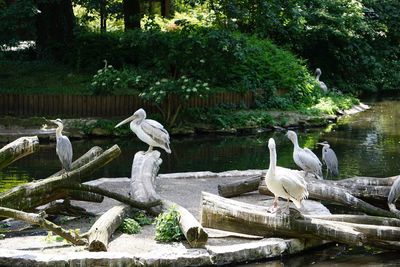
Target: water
x: 366, y: 144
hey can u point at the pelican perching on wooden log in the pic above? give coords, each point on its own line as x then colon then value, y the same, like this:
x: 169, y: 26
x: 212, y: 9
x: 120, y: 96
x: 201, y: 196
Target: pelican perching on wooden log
x: 283, y: 182
x: 305, y: 158
x: 149, y: 131
x: 63, y: 147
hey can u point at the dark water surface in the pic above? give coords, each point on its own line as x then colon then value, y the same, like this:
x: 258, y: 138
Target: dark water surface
x: 366, y: 144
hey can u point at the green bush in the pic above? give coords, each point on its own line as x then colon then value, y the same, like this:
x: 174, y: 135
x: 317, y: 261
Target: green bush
x: 167, y: 226
x: 130, y: 226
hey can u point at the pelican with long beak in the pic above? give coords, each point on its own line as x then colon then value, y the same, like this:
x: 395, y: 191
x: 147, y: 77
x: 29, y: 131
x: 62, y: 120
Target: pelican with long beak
x: 284, y: 183
x: 149, y: 131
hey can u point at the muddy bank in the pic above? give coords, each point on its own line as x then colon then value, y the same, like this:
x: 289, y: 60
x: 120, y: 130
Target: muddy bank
x: 12, y: 128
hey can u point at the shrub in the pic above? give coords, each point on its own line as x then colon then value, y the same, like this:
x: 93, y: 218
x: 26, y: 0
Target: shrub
x: 167, y: 226
x: 130, y: 226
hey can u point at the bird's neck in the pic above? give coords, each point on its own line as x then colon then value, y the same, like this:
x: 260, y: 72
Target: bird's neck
x: 59, y: 131
x: 317, y: 77
x: 295, y: 143
x: 272, y: 162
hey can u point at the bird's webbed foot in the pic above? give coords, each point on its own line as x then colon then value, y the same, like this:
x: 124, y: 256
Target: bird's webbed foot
x: 274, y: 208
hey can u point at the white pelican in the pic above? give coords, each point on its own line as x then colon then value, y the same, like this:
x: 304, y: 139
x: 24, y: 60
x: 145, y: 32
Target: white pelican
x: 149, y: 131
x: 63, y: 147
x: 322, y: 85
x: 330, y: 159
x: 305, y: 158
x: 284, y: 183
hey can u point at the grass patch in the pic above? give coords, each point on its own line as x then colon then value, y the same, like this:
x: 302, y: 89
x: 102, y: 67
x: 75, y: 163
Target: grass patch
x: 38, y: 77
x: 332, y: 103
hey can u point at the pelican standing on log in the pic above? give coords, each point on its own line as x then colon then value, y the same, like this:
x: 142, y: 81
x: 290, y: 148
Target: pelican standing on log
x: 149, y: 131
x: 305, y: 158
x: 330, y: 159
x: 322, y: 85
x: 63, y: 147
x: 394, y: 194
x: 284, y: 183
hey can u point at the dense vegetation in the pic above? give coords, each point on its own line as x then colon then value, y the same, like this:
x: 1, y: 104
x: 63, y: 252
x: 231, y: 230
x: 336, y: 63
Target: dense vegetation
x: 209, y: 46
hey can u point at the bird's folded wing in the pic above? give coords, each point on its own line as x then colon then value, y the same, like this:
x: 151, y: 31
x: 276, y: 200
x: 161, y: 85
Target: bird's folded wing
x: 155, y: 130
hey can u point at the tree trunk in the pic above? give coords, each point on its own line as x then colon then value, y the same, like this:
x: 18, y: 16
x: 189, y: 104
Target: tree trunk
x: 338, y: 195
x: 54, y: 25
x: 39, y: 219
x: 101, y: 231
x: 37, y: 193
x: 227, y: 214
x: 18, y: 149
x: 103, y: 15
x: 191, y: 228
x: 359, y: 219
x: 85, y: 158
x: 132, y: 14
x: 145, y: 167
x: 239, y: 187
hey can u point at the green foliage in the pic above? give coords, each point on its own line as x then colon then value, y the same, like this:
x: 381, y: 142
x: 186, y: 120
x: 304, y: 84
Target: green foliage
x: 184, y: 87
x: 142, y: 219
x: 227, y: 118
x: 332, y: 103
x: 130, y: 226
x: 167, y: 226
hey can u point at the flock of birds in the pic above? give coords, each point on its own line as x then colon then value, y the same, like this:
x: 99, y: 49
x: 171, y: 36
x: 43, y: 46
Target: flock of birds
x: 282, y: 182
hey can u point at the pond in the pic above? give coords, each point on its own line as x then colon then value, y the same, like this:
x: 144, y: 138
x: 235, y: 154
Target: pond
x: 366, y: 144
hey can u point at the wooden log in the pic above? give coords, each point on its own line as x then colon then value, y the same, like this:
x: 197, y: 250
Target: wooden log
x: 17, y: 149
x: 359, y: 219
x: 90, y: 155
x: 235, y: 216
x: 145, y: 167
x: 338, y: 195
x: 37, y: 193
x: 227, y: 214
x: 239, y: 187
x: 189, y: 225
x: 85, y: 189
x: 101, y: 231
x: 388, y: 181
x: 38, y: 219
x: 144, y: 172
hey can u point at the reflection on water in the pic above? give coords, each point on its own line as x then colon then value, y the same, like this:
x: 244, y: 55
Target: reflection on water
x: 365, y: 144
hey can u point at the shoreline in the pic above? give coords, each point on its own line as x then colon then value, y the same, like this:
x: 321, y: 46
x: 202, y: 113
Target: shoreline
x: 99, y: 128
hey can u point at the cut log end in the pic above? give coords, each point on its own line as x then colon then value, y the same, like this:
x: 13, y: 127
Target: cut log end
x: 97, y: 246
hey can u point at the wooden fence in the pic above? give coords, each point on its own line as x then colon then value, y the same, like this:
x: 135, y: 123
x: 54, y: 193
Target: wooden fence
x: 102, y: 106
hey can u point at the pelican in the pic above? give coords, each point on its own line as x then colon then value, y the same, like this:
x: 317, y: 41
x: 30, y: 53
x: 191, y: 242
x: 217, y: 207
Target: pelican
x: 284, y: 183
x: 63, y: 147
x: 322, y: 85
x: 149, y: 131
x: 330, y: 159
x: 305, y: 158
x: 394, y: 195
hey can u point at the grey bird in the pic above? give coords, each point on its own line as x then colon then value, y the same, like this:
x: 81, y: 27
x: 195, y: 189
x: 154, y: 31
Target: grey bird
x: 305, y: 158
x: 394, y: 195
x: 149, y: 131
x: 63, y: 147
x: 322, y: 85
x: 330, y: 159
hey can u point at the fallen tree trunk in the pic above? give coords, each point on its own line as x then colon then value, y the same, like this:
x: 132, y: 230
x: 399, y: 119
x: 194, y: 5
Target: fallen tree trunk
x: 37, y: 193
x: 84, y: 159
x: 227, y: 214
x: 191, y: 228
x: 101, y: 231
x: 359, y: 219
x: 239, y: 187
x: 38, y: 219
x: 388, y: 181
x: 17, y: 149
x: 145, y: 167
x: 337, y: 195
